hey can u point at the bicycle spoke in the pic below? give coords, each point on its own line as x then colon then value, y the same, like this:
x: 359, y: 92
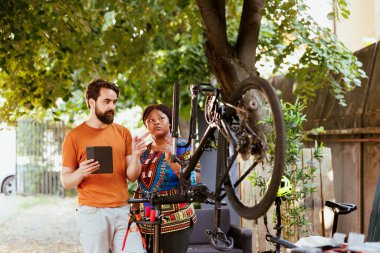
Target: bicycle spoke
x: 237, y: 183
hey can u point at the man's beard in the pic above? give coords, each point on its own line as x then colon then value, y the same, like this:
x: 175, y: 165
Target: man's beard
x: 106, y: 117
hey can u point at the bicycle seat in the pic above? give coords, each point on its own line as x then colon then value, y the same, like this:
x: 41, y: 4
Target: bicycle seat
x: 340, y: 208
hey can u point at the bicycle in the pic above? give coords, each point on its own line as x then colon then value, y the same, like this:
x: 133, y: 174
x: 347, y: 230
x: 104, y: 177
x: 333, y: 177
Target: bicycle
x: 249, y: 127
x: 337, y: 208
x: 241, y: 132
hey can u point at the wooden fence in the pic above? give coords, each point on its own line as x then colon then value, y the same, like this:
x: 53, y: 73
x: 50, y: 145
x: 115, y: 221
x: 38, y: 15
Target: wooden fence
x: 353, y: 135
x: 316, y: 212
x: 38, y: 157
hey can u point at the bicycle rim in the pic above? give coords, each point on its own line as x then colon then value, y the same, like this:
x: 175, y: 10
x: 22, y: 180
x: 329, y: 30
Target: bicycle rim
x: 253, y: 170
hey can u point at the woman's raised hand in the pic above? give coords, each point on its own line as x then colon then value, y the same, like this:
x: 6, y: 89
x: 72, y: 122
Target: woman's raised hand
x: 139, y: 145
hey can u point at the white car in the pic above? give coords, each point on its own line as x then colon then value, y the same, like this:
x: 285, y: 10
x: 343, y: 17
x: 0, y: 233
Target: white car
x: 8, y: 161
x: 8, y: 185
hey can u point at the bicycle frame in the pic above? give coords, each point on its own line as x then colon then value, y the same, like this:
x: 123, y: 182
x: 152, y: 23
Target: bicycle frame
x: 195, y: 156
x: 222, y: 126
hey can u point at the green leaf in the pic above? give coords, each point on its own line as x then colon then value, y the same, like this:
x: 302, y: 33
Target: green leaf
x: 331, y: 16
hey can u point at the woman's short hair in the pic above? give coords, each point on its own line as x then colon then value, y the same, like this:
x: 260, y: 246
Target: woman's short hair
x: 161, y: 107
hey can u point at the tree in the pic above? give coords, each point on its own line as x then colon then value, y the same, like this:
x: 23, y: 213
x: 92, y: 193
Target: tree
x: 286, y: 29
x: 50, y: 50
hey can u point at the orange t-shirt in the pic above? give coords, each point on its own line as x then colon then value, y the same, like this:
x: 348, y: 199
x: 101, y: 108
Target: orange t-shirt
x: 100, y: 190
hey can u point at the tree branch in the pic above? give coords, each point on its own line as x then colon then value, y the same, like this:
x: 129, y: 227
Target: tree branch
x: 213, y: 15
x: 249, y: 34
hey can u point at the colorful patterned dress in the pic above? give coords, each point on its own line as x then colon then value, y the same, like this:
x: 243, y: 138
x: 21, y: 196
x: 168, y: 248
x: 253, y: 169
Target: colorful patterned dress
x: 157, y: 176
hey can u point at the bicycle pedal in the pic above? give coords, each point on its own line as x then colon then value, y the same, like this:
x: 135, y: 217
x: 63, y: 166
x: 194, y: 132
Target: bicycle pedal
x: 219, y: 240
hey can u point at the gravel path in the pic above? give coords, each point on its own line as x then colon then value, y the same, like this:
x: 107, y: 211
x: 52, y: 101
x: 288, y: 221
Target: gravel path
x: 43, y: 225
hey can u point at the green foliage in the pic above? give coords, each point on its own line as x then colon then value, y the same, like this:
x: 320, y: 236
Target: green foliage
x: 70, y: 193
x: 294, y: 118
x: 37, y: 44
x: 301, y: 176
x: 49, y: 50
x: 131, y: 188
x: 303, y: 50
x: 293, y: 210
x: 340, y: 10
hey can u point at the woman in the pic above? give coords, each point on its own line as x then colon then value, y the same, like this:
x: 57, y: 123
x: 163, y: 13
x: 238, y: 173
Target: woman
x: 158, y: 173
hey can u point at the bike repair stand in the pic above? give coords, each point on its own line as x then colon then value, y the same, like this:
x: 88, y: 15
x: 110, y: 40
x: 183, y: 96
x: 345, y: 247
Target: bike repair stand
x: 150, y: 220
x: 195, y: 193
x: 277, y: 240
x: 157, y: 227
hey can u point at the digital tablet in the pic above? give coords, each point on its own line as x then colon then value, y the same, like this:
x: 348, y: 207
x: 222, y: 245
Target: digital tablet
x: 102, y: 154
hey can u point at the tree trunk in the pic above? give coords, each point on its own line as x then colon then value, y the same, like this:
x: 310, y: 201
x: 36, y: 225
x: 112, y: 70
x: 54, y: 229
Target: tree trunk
x: 231, y: 63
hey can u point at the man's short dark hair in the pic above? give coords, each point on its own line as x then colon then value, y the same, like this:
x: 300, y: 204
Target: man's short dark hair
x: 93, y: 89
x: 161, y: 107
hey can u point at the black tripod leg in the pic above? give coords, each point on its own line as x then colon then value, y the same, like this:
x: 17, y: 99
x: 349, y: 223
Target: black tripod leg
x: 156, y: 241
x: 279, y: 225
x: 335, y: 224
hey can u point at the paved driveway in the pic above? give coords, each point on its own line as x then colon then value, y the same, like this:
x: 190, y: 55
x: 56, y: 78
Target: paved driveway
x: 38, y: 224
x: 8, y: 206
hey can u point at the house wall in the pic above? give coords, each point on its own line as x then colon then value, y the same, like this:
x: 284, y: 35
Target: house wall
x: 362, y: 25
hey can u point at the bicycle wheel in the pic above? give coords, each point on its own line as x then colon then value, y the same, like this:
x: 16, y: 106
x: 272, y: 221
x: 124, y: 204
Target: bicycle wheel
x: 251, y: 148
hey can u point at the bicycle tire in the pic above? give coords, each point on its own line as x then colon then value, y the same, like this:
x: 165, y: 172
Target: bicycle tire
x: 258, y: 85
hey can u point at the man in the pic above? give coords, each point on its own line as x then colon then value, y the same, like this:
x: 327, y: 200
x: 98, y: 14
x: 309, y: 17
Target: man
x: 103, y: 211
